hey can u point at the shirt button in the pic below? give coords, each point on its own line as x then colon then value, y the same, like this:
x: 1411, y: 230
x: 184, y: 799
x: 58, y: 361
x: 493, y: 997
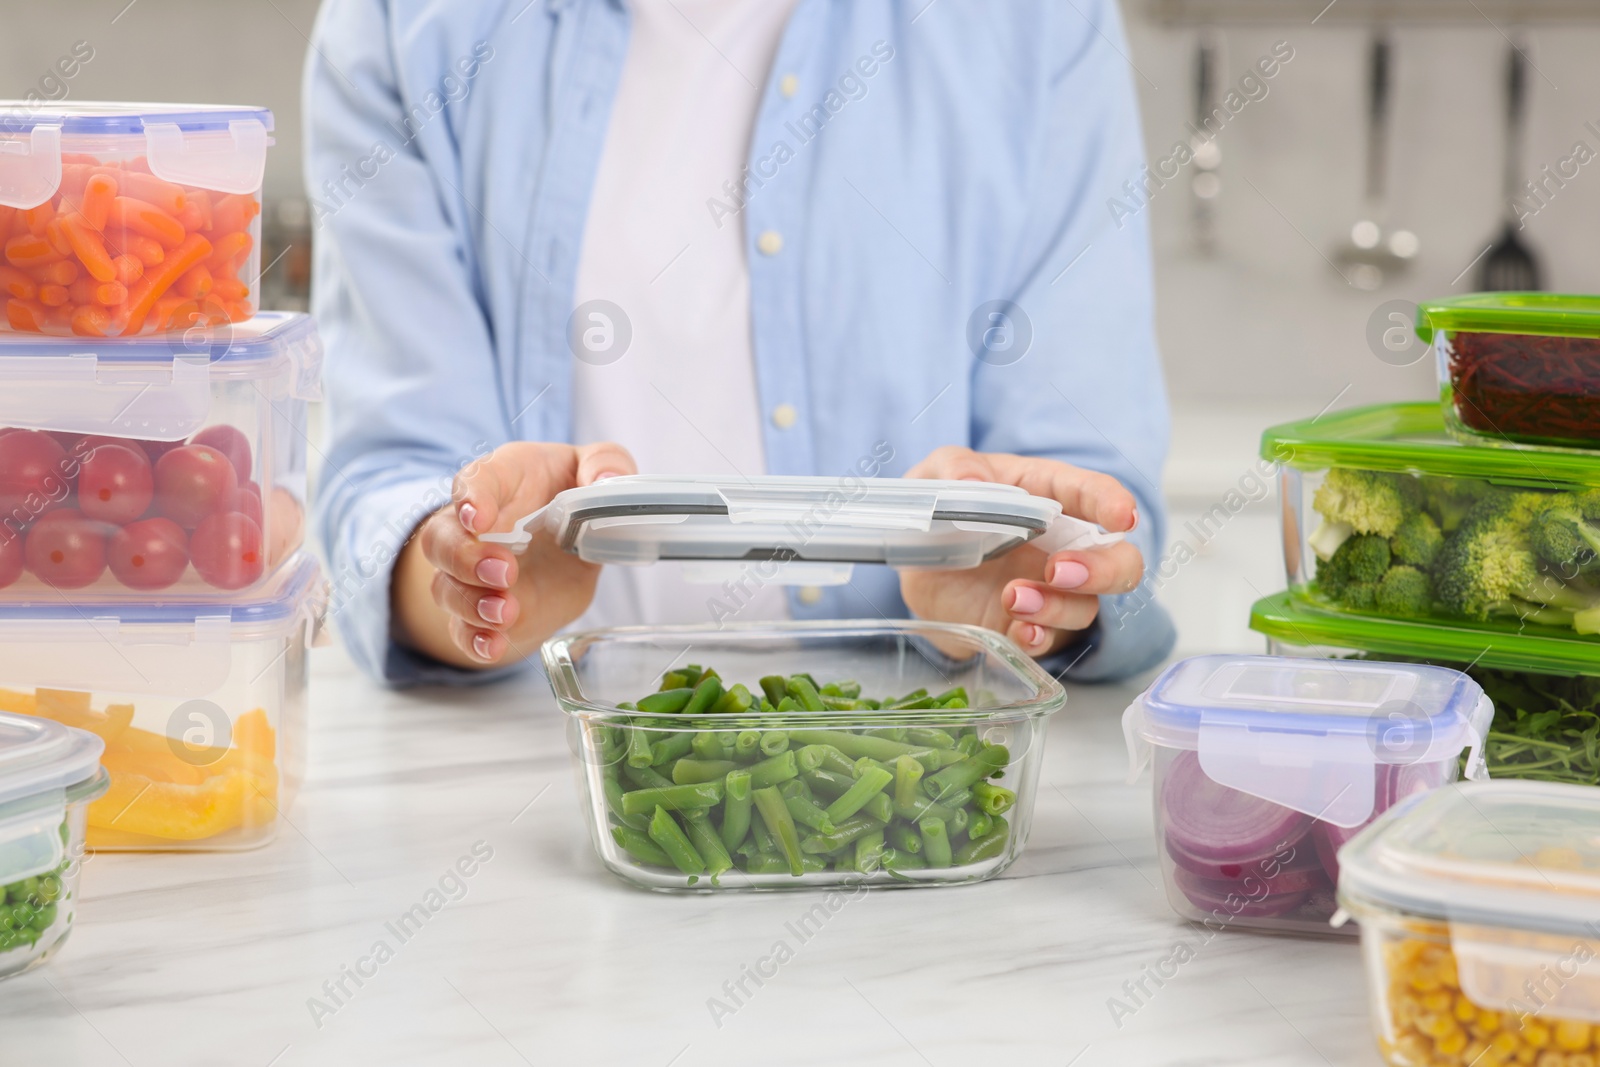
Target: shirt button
x: 770, y: 243
x: 810, y: 595
x: 784, y: 416
x: 788, y: 86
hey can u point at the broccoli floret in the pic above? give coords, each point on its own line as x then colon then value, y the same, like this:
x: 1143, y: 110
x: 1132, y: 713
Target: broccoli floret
x: 1369, y: 502
x: 1404, y: 591
x: 1417, y: 540
x: 1566, y: 532
x: 1363, y: 596
x: 1449, y: 499
x: 1488, y: 567
x: 1360, y: 560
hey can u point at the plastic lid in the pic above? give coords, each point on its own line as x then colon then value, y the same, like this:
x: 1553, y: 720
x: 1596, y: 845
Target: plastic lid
x: 40, y: 756
x: 266, y: 335
x: 1308, y: 733
x: 801, y: 530
x: 218, y: 148
x: 1411, y: 437
x: 115, y: 116
x: 1548, y: 314
x: 1282, y: 618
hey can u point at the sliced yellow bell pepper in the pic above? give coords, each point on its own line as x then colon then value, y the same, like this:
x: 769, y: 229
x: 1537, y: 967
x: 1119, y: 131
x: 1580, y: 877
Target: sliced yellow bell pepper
x: 172, y: 811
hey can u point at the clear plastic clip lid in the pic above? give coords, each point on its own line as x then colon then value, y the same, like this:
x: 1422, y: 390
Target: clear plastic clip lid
x: 809, y: 530
x: 40, y: 761
x: 1311, y: 734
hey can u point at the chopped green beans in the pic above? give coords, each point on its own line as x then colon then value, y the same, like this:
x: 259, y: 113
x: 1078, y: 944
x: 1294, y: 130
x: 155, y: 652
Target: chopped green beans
x: 780, y: 824
x: 774, y: 769
x: 695, y: 771
x: 637, y: 844
x: 676, y: 797
x: 666, y: 702
x: 907, y: 776
x: 935, y: 841
x: 869, y: 785
x: 736, y: 808
x: 994, y: 799
x: 666, y: 833
x: 768, y: 790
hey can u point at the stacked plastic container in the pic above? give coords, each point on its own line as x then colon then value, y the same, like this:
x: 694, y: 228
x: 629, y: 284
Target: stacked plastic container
x: 153, y: 467
x: 1463, y: 537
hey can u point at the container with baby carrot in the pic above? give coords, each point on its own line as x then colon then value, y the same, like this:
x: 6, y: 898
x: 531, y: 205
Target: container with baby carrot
x: 125, y: 219
x: 1479, y: 906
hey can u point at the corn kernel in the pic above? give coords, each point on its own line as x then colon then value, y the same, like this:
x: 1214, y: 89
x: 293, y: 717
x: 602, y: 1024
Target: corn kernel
x: 1490, y: 1021
x: 1438, y: 1002
x: 1580, y: 1059
x: 1550, y: 1059
x: 1507, y: 1043
x: 1526, y: 1055
x: 1465, y: 1010
x: 1435, y: 1026
x: 1572, y: 1035
x: 1413, y: 1047
x: 1536, y: 1034
x: 1425, y: 980
x: 1452, y: 1043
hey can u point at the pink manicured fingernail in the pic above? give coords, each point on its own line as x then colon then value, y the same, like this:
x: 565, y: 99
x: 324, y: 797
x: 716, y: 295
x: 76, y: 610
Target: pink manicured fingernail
x: 469, y: 517
x: 1134, y: 525
x: 1025, y: 600
x: 1069, y: 574
x: 495, y: 572
x: 603, y: 475
x: 1034, y: 635
x: 492, y: 609
x: 480, y: 646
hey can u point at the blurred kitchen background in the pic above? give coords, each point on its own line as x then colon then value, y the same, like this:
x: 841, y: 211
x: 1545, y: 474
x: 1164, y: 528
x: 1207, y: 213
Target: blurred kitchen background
x: 1258, y: 317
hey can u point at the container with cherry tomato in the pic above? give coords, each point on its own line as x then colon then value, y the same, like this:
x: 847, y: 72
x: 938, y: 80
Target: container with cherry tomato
x: 118, y: 220
x: 172, y: 472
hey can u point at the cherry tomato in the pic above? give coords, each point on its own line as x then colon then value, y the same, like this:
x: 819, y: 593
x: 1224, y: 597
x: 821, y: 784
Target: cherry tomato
x: 82, y: 446
x: 65, y: 549
x: 156, y: 449
x: 31, y: 474
x: 11, y: 561
x: 246, y: 500
x: 149, y: 554
x: 193, y: 482
x: 115, y: 484
x: 226, y: 550
x: 231, y: 443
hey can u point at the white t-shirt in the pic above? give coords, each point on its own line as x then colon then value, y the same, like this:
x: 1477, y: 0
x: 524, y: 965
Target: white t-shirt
x: 682, y: 396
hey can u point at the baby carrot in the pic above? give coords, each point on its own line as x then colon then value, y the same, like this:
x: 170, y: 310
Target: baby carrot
x: 129, y: 268
x: 53, y: 296
x: 145, y: 249
x: 142, y: 217
x: 164, y: 313
x: 232, y: 213
x: 88, y: 247
x: 91, y: 321
x: 225, y: 256
x: 30, y: 250
x: 231, y: 289
x: 25, y: 315
x: 98, y: 193
x: 37, y: 218
x: 195, y: 283
x: 164, y: 195
x: 61, y: 272
x: 142, y: 297
x: 196, y: 213
x: 56, y: 237
x: 17, y: 284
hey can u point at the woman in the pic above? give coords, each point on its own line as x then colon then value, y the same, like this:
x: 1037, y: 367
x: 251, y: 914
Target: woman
x: 564, y: 239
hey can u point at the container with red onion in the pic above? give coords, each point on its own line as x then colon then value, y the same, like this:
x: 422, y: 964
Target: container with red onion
x: 1266, y: 766
x: 1518, y: 368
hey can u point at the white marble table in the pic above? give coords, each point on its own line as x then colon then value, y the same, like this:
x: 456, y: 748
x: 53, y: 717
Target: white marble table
x: 213, y: 959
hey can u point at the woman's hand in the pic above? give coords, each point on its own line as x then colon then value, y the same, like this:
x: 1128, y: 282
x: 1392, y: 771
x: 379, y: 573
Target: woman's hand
x: 468, y: 603
x: 1038, y: 601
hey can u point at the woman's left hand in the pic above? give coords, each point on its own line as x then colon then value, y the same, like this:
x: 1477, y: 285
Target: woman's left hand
x: 1041, y: 602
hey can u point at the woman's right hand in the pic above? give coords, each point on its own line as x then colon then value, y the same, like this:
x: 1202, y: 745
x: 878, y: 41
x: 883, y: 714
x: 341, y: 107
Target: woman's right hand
x: 471, y: 604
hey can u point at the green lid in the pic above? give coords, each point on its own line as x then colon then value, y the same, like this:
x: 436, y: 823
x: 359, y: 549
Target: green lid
x: 1411, y: 437
x: 1284, y: 619
x: 1548, y: 314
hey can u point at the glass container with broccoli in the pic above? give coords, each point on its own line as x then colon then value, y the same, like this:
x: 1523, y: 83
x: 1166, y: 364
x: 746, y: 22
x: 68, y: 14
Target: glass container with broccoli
x: 1405, y: 522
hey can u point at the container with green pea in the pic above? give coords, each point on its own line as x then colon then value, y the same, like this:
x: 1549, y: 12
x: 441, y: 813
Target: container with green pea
x: 48, y: 775
x: 803, y: 754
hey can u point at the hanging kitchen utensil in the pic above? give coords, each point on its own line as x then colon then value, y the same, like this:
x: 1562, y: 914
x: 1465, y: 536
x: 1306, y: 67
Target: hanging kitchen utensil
x: 1510, y: 265
x: 1205, y: 185
x: 1374, y: 254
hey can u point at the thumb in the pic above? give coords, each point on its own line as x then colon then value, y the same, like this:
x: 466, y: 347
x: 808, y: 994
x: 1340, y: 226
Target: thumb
x: 607, y: 459
x: 483, y: 488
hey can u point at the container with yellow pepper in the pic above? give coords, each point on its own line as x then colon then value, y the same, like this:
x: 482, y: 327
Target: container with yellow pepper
x: 201, y: 706
x: 1479, y: 907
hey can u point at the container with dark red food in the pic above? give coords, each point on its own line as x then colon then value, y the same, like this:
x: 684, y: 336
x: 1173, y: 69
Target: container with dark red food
x: 1266, y: 766
x: 154, y: 468
x: 1518, y: 368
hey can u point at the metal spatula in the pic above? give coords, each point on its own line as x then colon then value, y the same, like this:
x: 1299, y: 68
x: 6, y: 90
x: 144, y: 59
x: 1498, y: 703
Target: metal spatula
x: 1510, y: 265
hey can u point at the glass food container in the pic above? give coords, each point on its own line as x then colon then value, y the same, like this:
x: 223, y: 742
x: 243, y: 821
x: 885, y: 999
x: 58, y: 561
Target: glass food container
x: 1385, y: 515
x: 201, y: 706
x: 936, y: 791
x: 154, y: 469
x: 1518, y: 368
x: 1480, y: 921
x: 1546, y: 690
x: 49, y: 775
x: 125, y: 219
x: 825, y: 753
x: 1265, y: 766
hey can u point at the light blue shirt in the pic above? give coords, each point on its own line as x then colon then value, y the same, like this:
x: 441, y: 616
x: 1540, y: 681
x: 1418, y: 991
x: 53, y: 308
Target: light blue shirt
x: 933, y: 157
